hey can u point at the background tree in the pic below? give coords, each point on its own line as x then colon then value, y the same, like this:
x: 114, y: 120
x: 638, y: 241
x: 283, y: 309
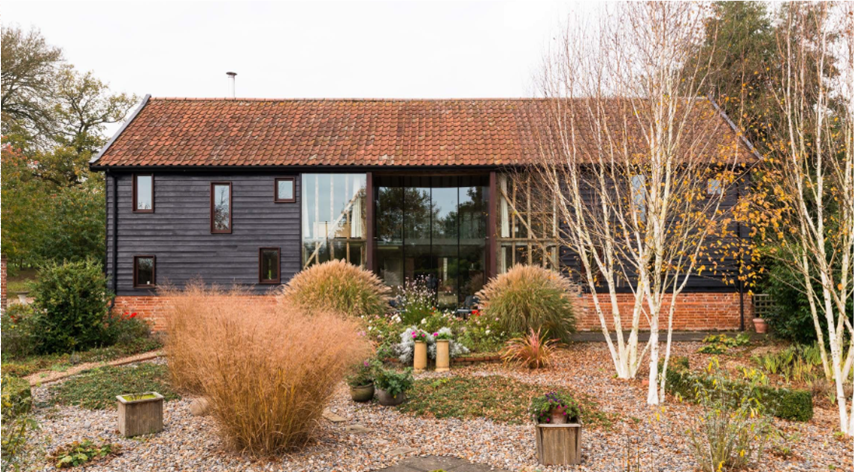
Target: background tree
x: 630, y: 151
x: 52, y: 205
x: 811, y: 215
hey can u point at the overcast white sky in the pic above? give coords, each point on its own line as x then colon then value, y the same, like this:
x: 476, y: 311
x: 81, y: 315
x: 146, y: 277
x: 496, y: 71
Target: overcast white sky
x: 400, y: 49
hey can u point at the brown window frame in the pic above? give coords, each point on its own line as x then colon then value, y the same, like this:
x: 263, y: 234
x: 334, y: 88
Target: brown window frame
x: 135, y: 210
x: 276, y: 198
x: 230, y: 208
x: 153, y: 271
x: 261, y: 279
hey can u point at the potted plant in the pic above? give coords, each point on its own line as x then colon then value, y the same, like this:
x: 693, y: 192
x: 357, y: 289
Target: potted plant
x: 558, y: 429
x: 392, y: 386
x: 419, y: 356
x: 362, y: 382
x: 760, y: 325
x: 140, y: 413
x: 443, y: 350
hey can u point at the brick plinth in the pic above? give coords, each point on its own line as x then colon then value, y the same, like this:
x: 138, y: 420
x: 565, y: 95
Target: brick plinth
x: 154, y: 309
x: 694, y: 311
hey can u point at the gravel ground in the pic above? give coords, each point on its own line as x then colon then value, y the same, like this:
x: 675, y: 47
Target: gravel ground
x: 190, y: 443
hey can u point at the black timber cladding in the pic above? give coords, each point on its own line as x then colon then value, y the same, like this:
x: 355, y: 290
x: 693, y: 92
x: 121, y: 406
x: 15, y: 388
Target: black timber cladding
x: 178, y: 232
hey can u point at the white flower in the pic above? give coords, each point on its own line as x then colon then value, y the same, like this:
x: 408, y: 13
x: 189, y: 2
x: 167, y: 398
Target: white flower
x: 487, y: 330
x: 423, y: 320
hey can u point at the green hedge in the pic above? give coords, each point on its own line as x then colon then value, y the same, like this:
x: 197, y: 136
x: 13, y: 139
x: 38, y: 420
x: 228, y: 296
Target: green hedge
x: 785, y: 403
x: 17, y: 392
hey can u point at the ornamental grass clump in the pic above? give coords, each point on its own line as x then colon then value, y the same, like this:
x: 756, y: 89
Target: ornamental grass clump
x: 337, y: 286
x: 266, y: 370
x: 530, y: 297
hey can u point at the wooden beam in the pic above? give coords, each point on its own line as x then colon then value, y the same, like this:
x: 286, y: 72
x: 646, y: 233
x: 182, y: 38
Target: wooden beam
x: 370, y: 243
x: 492, y: 227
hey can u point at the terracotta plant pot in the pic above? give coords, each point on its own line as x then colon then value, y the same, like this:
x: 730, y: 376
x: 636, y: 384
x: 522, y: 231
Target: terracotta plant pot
x: 558, y: 417
x: 362, y: 393
x: 419, y: 357
x: 140, y: 414
x: 386, y: 399
x: 760, y: 325
x: 443, y: 355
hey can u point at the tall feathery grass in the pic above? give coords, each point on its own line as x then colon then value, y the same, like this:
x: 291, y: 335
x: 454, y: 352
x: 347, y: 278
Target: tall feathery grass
x: 530, y: 297
x: 266, y: 370
x: 338, y: 286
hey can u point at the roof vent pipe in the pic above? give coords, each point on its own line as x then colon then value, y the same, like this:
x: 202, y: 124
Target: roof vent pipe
x: 231, y: 76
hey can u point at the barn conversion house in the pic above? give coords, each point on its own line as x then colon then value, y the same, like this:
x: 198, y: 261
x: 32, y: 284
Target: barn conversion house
x: 251, y: 191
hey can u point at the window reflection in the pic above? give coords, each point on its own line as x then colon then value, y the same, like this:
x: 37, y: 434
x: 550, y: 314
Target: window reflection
x: 221, y: 208
x: 144, y: 192
x: 334, y: 213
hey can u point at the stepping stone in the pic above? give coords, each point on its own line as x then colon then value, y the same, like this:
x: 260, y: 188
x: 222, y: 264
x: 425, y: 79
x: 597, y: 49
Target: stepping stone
x: 357, y: 429
x: 333, y: 417
x: 402, y: 451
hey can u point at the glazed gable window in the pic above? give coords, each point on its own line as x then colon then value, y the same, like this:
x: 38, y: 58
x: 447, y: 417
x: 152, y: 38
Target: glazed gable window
x: 143, y: 193
x: 143, y: 272
x: 221, y: 207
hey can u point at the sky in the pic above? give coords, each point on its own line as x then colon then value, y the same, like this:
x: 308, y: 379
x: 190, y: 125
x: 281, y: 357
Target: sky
x: 318, y: 49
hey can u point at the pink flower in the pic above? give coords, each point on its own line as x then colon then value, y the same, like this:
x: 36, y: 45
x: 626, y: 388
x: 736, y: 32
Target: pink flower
x: 435, y: 334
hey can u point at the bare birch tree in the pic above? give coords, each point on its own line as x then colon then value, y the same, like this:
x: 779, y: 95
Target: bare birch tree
x: 639, y: 162
x: 814, y: 185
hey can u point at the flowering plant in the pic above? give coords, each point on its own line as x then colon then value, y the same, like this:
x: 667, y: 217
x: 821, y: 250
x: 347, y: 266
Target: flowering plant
x: 363, y: 373
x: 419, y: 336
x: 443, y: 334
x: 544, y: 406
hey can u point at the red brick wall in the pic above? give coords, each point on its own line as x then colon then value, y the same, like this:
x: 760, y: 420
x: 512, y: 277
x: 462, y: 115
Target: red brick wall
x: 694, y: 311
x: 3, y: 282
x: 153, y: 308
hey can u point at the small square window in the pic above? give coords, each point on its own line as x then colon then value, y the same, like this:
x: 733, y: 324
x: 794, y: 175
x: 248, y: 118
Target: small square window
x: 285, y: 192
x: 268, y: 266
x: 143, y: 193
x: 143, y: 272
x: 715, y: 187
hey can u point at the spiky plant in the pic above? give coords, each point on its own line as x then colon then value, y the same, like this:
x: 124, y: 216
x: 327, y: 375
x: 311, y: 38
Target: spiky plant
x: 532, y: 350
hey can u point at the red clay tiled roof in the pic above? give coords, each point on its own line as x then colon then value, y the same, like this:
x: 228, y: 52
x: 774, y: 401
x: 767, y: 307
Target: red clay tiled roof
x: 260, y: 132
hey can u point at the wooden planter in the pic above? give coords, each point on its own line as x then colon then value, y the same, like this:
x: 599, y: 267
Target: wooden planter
x: 140, y: 416
x: 559, y: 444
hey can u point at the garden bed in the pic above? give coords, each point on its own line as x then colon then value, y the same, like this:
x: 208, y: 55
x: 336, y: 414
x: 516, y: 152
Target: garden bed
x: 373, y: 437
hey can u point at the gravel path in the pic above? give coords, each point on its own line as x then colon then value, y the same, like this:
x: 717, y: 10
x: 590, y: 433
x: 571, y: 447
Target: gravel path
x: 386, y: 437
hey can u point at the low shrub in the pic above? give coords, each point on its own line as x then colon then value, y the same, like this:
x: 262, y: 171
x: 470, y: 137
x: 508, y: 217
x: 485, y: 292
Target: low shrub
x: 339, y: 287
x: 720, y: 343
x: 730, y: 433
x: 18, y: 452
x: 18, y: 331
x: 82, y: 453
x: 18, y: 395
x: 125, y: 328
x: 393, y: 382
x: 533, y: 351
x: 531, y: 297
x: 71, y: 305
x: 266, y: 371
x: 789, y: 404
x: 96, y: 389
